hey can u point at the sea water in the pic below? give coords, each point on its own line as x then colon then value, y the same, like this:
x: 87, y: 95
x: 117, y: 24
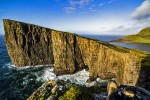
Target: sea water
x: 19, y: 83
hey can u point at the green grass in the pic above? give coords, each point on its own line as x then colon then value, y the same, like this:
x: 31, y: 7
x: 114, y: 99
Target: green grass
x: 145, y: 33
x: 134, y: 38
x: 142, y: 37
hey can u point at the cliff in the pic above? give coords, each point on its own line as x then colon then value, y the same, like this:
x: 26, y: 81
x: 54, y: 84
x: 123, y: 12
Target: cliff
x: 142, y: 37
x: 29, y: 44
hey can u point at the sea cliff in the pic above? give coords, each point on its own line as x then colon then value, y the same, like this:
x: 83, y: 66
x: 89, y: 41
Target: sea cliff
x: 30, y: 45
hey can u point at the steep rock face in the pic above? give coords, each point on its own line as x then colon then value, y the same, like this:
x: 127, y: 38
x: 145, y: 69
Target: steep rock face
x: 108, y: 63
x: 29, y: 44
x: 63, y: 47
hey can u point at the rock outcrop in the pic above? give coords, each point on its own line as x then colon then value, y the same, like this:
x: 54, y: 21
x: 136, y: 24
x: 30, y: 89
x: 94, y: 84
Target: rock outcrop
x: 60, y: 90
x: 29, y: 44
x: 142, y: 37
x: 125, y: 92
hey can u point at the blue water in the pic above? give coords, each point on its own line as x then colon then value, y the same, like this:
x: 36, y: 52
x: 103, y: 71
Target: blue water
x: 103, y: 37
x: 18, y: 84
x: 140, y: 46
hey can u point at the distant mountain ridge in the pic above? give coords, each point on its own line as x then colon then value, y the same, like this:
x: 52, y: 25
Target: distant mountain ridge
x: 142, y: 37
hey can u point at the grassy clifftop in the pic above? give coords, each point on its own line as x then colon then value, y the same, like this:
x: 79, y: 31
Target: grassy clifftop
x: 142, y: 37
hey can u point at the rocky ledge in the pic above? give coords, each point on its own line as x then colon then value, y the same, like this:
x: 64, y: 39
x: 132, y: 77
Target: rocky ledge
x: 60, y: 90
x: 30, y: 45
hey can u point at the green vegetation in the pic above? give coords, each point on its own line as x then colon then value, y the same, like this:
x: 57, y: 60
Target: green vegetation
x: 145, y: 33
x: 76, y: 93
x: 82, y: 93
x: 135, y: 38
x: 142, y: 37
x: 50, y: 89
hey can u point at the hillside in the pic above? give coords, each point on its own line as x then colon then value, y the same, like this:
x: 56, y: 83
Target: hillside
x: 142, y: 37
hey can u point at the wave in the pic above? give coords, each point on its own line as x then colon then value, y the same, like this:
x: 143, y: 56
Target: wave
x: 45, y: 72
x: 10, y: 65
x: 78, y: 78
x: 29, y: 67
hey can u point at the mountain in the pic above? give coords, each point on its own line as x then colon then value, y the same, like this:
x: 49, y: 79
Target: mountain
x: 142, y: 37
x: 30, y: 45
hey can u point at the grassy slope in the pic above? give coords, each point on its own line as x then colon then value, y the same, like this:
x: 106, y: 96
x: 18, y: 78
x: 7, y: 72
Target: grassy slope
x: 142, y: 37
x: 134, y: 38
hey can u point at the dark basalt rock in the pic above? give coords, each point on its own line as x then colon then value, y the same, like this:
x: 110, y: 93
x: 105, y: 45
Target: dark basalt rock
x: 30, y: 45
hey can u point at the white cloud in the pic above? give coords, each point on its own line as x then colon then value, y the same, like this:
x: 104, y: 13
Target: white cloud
x: 141, y: 19
x: 69, y: 9
x: 76, y: 4
x: 79, y: 3
x: 82, y: 5
x: 130, y: 28
x: 107, y: 24
x: 143, y: 11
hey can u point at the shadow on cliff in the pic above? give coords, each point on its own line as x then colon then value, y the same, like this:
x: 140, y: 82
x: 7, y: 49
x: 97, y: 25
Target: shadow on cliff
x: 79, y: 62
x: 144, y: 74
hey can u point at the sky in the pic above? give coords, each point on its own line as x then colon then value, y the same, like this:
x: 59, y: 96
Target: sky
x: 106, y: 17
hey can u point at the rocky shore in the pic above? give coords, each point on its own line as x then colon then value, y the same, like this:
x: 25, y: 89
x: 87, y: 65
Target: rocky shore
x: 61, y: 90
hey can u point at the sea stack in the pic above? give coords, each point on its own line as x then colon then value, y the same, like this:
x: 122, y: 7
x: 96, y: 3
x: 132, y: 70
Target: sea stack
x: 30, y: 45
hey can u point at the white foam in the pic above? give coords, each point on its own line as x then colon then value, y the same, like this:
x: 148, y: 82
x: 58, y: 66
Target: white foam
x: 10, y: 65
x: 48, y: 74
x: 78, y: 78
x: 26, y: 67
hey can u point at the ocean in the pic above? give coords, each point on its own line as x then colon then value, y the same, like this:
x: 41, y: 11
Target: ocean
x: 19, y: 83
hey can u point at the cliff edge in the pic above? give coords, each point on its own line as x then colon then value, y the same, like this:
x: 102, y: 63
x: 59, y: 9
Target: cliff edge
x: 30, y: 45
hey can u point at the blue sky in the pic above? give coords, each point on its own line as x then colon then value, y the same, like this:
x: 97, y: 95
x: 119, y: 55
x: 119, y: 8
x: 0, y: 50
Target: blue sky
x: 115, y: 17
